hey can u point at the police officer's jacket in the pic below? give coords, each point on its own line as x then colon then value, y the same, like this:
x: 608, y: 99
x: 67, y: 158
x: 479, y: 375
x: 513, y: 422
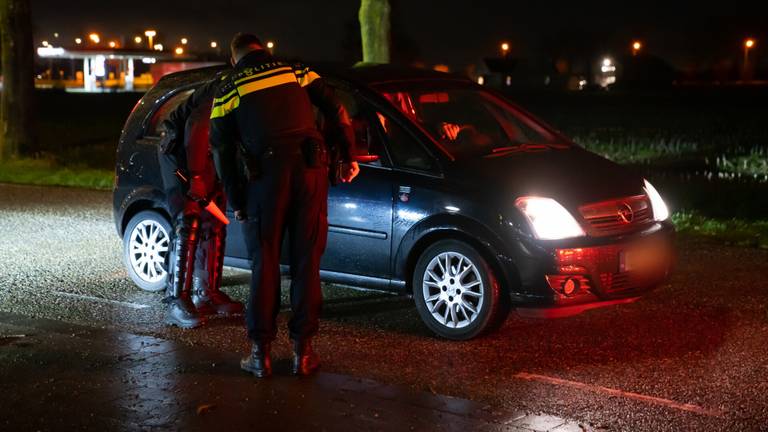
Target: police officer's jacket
x: 265, y: 102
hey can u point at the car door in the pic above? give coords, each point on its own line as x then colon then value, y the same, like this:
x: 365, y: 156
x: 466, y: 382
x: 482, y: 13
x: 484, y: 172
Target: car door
x: 360, y: 213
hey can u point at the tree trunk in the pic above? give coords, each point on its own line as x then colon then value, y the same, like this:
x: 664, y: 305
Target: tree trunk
x: 374, y: 29
x: 16, y: 102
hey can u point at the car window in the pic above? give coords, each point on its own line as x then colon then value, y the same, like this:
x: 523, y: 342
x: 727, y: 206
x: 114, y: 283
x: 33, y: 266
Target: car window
x: 405, y: 150
x: 165, y: 110
x: 367, y: 141
x: 468, y: 122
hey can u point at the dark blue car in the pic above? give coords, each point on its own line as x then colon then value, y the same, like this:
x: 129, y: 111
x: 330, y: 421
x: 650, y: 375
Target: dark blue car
x: 466, y: 202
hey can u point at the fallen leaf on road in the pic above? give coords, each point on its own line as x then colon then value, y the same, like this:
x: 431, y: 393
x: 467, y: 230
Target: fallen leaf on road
x: 202, y: 409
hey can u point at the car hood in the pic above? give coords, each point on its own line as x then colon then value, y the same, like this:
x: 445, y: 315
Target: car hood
x: 572, y: 176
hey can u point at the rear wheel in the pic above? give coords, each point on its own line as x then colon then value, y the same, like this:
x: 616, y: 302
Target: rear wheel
x: 146, y: 245
x: 456, y: 292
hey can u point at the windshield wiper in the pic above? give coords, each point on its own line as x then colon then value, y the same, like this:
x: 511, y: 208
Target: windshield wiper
x: 528, y: 148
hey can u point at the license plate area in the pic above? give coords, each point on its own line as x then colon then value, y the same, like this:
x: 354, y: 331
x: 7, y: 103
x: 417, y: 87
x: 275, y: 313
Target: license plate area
x: 646, y: 258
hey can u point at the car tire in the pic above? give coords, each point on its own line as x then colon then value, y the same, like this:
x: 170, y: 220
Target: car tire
x: 469, y: 287
x: 146, y: 246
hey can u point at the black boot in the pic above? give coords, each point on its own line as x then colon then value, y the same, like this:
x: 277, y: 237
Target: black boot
x: 305, y: 361
x: 200, y: 296
x: 182, y: 313
x: 259, y: 363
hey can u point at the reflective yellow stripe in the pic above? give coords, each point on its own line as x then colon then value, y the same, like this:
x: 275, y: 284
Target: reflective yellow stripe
x: 266, y: 83
x: 306, y: 77
x: 271, y: 71
x: 224, y: 109
x: 225, y: 97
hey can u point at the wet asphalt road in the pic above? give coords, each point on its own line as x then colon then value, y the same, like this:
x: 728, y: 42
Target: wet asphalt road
x: 693, y: 355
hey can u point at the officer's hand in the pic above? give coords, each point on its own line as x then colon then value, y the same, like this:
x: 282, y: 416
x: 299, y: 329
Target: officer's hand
x: 197, y: 188
x: 349, y: 171
x: 240, y: 215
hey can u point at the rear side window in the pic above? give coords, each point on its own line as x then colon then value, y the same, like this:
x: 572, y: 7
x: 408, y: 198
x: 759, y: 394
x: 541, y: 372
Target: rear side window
x: 165, y: 110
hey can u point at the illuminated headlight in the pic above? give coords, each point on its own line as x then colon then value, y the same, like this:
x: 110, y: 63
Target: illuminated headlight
x: 660, y: 210
x: 549, y: 219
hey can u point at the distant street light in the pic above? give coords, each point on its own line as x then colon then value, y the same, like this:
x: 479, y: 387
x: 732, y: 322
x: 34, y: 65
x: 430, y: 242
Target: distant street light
x: 214, y: 44
x: 94, y: 37
x: 179, y: 51
x: 636, y: 47
x: 150, y: 34
x: 137, y: 39
x: 78, y: 41
x: 158, y: 47
x: 184, y: 41
x: 504, y: 49
x: 44, y: 43
x: 56, y: 35
x: 749, y: 43
x: 270, y: 45
x: 112, y: 44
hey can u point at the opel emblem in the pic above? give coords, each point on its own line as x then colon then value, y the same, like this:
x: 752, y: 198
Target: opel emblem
x: 626, y: 214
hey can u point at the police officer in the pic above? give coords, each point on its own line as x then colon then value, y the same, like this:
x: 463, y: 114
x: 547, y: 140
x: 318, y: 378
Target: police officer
x: 265, y: 105
x: 190, y: 179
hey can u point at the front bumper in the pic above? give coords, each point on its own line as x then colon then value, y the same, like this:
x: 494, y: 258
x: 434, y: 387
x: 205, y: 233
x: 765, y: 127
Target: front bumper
x: 563, y: 278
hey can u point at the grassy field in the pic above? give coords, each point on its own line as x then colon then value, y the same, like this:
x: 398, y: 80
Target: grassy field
x: 49, y: 173
x: 719, y: 129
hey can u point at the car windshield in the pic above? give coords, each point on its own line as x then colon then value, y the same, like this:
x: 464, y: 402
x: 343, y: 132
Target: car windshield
x: 470, y: 122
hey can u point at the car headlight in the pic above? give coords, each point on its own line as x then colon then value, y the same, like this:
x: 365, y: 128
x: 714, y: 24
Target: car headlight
x: 549, y: 219
x: 659, y: 207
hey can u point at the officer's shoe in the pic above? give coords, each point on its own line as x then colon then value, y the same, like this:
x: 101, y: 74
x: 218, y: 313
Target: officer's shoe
x: 223, y: 304
x: 305, y: 360
x: 182, y: 313
x: 259, y: 363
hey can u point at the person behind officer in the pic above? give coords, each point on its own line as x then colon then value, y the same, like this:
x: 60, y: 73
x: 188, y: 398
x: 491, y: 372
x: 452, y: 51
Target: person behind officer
x: 195, y: 270
x: 266, y: 105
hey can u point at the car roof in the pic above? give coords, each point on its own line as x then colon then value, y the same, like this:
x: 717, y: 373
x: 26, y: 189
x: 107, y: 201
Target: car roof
x: 366, y: 75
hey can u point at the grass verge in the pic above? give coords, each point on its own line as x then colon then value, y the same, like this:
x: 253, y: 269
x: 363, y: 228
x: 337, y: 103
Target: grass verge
x: 48, y: 173
x: 730, y: 231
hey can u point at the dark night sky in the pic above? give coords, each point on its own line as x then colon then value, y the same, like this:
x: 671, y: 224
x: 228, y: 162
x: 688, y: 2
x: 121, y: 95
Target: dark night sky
x: 449, y: 31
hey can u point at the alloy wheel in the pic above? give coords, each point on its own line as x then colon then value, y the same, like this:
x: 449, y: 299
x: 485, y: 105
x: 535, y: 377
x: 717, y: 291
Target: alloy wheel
x: 453, y: 290
x: 149, y: 244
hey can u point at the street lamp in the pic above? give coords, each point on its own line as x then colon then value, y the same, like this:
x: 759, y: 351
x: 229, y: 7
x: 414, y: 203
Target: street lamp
x: 749, y: 43
x: 270, y: 45
x: 158, y: 47
x: 44, y: 43
x: 150, y: 34
x: 636, y: 47
x: 504, y: 49
x: 179, y: 51
x: 184, y: 41
x: 214, y: 44
x: 112, y: 44
x: 94, y: 37
x: 137, y: 39
x: 78, y: 41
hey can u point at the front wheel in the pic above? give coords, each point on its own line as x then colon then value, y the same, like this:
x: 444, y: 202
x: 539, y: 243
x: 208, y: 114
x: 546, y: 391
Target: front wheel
x: 146, y: 245
x: 456, y: 292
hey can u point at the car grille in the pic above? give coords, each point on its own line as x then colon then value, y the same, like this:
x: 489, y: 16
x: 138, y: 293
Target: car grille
x: 617, y: 216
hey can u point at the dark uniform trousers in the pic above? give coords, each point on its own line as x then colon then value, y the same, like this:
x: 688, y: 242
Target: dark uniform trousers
x: 289, y: 198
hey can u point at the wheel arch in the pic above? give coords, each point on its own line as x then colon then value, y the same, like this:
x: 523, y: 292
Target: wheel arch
x: 139, y: 205
x: 441, y: 227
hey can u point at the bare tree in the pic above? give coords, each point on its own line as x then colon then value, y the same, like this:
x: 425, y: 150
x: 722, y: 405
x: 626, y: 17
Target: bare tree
x: 16, y: 110
x: 374, y: 29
